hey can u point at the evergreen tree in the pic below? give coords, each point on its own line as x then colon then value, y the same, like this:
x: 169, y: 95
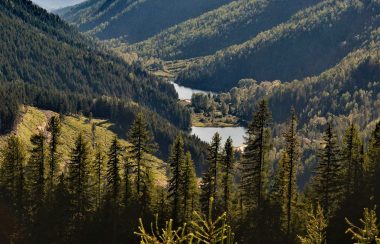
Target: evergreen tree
x: 98, y: 171
x: 176, y: 160
x: 315, y: 227
x: 36, y: 174
x: 255, y: 156
x: 54, y: 127
x: 327, y: 176
x: 13, y: 174
x: 78, y: 179
x: 374, y: 165
x: 352, y: 161
x: 142, y: 144
x: 190, y: 188
x: 213, y: 159
x: 128, y: 194
x: 209, y: 179
x: 290, y: 165
x: 227, y: 169
x: 113, y: 168
x: 369, y: 233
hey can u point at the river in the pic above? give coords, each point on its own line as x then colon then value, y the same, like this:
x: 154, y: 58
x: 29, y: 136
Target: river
x: 206, y: 133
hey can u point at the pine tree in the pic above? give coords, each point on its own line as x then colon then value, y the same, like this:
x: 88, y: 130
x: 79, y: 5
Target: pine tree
x: 141, y: 144
x: 190, y: 188
x: 352, y: 160
x: 13, y: 174
x: 176, y: 160
x: 128, y: 194
x: 206, y: 187
x: 255, y: 156
x: 227, y: 169
x: 315, y: 227
x: 54, y: 127
x: 113, y: 168
x: 374, y: 164
x: 37, y: 172
x: 290, y: 165
x: 327, y: 176
x: 78, y: 179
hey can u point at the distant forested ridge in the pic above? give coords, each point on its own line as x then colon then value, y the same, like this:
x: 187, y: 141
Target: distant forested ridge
x: 312, y: 41
x: 134, y: 20
x: 46, y: 62
x: 230, y: 24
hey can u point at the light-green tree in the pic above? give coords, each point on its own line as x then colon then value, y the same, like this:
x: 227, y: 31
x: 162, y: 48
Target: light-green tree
x: 315, y: 227
x: 369, y: 233
x: 190, y: 188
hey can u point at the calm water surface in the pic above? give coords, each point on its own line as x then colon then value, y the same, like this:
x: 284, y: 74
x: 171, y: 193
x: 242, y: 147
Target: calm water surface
x: 206, y: 134
x: 185, y: 92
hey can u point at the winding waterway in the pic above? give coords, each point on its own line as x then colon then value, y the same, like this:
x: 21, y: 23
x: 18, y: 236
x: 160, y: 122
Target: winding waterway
x: 206, y: 133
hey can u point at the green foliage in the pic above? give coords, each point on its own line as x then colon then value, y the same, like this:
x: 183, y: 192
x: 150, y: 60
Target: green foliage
x: 255, y: 158
x: 315, y: 227
x: 327, y: 178
x: 167, y: 235
x: 229, y: 24
x: 105, y: 18
x: 302, y: 36
x: 369, y: 233
x: 208, y: 230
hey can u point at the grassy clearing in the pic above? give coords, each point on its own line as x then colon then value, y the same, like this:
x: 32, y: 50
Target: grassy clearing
x: 33, y: 120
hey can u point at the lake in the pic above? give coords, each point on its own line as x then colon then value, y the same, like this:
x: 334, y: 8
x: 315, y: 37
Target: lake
x: 206, y: 134
x: 186, y: 92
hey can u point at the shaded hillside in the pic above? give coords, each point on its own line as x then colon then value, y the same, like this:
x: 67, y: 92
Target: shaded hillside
x: 230, y: 24
x: 349, y: 91
x: 312, y: 41
x: 46, y: 63
x: 135, y: 20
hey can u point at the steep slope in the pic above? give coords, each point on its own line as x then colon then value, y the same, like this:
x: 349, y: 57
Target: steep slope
x: 230, y: 24
x: 312, y: 41
x: 45, y: 62
x: 135, y: 20
x: 349, y: 91
x: 33, y: 121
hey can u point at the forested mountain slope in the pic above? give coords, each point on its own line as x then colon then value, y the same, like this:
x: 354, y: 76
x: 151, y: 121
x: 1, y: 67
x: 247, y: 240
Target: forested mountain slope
x: 135, y: 20
x: 312, y: 41
x: 230, y: 24
x: 349, y: 91
x: 46, y: 63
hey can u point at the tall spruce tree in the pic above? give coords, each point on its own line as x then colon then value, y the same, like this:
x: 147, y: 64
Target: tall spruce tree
x: 98, y: 175
x: 209, y: 181
x: 54, y: 127
x: 13, y: 174
x: 254, y: 164
x: 190, y: 188
x: 141, y: 144
x: 228, y: 162
x: 176, y: 160
x: 352, y: 161
x: 36, y: 176
x: 290, y: 165
x: 78, y: 179
x: 327, y: 179
x: 374, y: 165
x: 113, y: 168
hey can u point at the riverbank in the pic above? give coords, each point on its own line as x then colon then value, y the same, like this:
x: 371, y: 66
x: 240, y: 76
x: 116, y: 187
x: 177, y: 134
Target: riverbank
x: 200, y: 120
